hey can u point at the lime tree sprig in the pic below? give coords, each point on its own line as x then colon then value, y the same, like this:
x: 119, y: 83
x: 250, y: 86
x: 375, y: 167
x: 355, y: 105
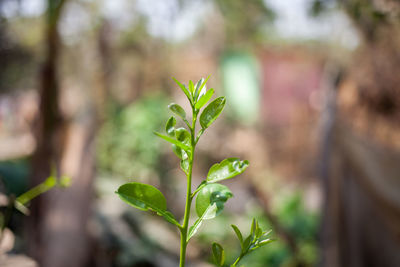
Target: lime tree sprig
x: 256, y: 239
x: 210, y: 195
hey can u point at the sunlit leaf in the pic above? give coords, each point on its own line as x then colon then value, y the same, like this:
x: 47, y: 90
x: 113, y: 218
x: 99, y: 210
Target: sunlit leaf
x: 208, y: 214
x: 184, y: 89
x: 178, y: 110
x: 212, y: 111
x: 218, y: 254
x: 169, y: 127
x: 238, y: 233
x: 185, y: 165
x: 179, y: 152
x: 145, y: 197
x: 204, y: 99
x: 265, y: 242
x: 226, y: 169
x: 246, y: 244
x: 210, y: 194
x: 264, y: 237
x: 253, y: 228
x: 256, y: 238
x: 258, y: 231
x: 198, y: 85
x: 191, y: 87
x: 200, y: 88
x: 183, y: 136
x: 173, y: 141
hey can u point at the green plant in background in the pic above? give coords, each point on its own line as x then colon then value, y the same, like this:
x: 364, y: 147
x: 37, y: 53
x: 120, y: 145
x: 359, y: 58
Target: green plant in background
x: 41, y: 188
x: 20, y: 203
x: 210, y: 195
x: 117, y: 141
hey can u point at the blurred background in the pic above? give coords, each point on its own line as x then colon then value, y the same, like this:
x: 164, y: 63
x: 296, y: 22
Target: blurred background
x: 313, y: 102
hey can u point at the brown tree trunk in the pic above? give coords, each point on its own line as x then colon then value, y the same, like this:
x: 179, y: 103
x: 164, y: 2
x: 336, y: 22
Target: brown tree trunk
x: 360, y: 176
x: 69, y: 210
x: 58, y: 233
x: 49, y: 126
x: 65, y: 224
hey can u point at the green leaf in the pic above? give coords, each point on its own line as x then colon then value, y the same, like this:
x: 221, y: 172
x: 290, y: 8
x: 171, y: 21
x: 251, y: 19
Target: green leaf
x: 142, y: 196
x: 146, y: 197
x: 180, y: 153
x: 184, y: 89
x: 265, y: 242
x: 246, y: 244
x: 218, y: 254
x: 226, y: 169
x: 196, y: 93
x: 169, y: 127
x: 258, y: 231
x: 253, y: 228
x: 178, y: 110
x: 169, y: 217
x: 200, y: 88
x: 208, y: 214
x: 238, y: 233
x: 185, y: 165
x: 173, y: 141
x: 212, y: 111
x: 204, y: 99
x: 210, y: 194
x: 264, y: 239
x: 191, y: 87
x: 265, y: 234
x: 183, y: 136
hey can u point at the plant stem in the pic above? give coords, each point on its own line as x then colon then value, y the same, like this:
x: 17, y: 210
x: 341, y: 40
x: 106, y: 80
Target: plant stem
x: 237, y: 260
x: 185, y: 226
x: 184, y: 229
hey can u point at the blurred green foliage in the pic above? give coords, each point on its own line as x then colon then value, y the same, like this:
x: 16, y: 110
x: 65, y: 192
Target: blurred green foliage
x: 243, y: 26
x: 292, y: 215
x: 126, y: 144
x: 14, y: 176
x: 240, y: 77
x: 302, y: 225
x: 17, y: 61
x: 364, y: 12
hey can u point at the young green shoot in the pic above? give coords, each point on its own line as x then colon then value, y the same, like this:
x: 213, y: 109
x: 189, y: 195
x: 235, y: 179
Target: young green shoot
x: 210, y: 195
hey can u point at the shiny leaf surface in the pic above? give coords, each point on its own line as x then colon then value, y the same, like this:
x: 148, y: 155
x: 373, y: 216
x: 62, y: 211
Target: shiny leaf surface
x: 182, y: 135
x: 208, y: 214
x: 145, y: 197
x: 178, y: 110
x: 198, y: 85
x: 238, y: 233
x: 200, y: 88
x: 204, y: 99
x: 226, y: 169
x: 210, y: 194
x: 173, y: 141
x: 185, y: 165
x: 212, y: 111
x: 184, y: 89
x: 179, y: 152
x: 191, y: 87
x: 169, y: 127
x: 218, y: 254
